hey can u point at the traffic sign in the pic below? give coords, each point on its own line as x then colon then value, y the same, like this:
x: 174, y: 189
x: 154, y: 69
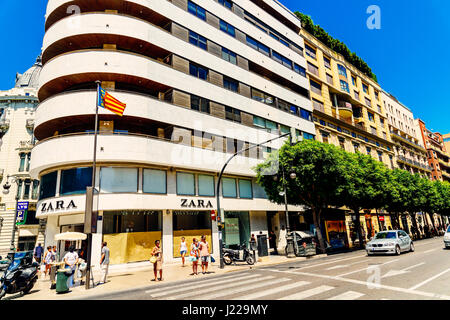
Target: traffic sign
x: 22, y: 205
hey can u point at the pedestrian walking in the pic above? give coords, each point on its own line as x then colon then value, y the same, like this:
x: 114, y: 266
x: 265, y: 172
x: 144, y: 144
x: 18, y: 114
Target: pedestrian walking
x: 54, y: 254
x: 157, y: 265
x: 253, y: 245
x: 71, y: 260
x: 183, y: 249
x: 273, y: 241
x: 194, y: 255
x: 204, y: 253
x: 48, y: 259
x: 104, y: 262
x: 38, y: 253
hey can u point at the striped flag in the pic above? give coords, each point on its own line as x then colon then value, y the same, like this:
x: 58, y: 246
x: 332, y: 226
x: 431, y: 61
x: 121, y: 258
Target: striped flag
x: 107, y: 101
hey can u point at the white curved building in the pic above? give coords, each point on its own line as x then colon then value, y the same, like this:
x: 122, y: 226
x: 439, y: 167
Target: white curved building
x: 201, y: 79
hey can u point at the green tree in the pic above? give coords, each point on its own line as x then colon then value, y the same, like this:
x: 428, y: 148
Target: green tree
x: 364, y: 185
x: 320, y: 175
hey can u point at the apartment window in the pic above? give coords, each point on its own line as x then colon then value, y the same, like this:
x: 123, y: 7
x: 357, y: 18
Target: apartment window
x: 229, y: 188
x: 354, y: 81
x: 230, y: 84
x: 28, y: 161
x: 258, y: 46
x: 356, y: 95
x: 344, y: 86
x: 35, y: 193
x: 382, y: 122
x: 330, y: 79
x: 380, y: 156
x: 22, y: 162
x: 118, y: 179
x: 374, y: 130
x: 376, y: 94
x: 196, y: 10
x: 245, y: 189
x: 277, y: 57
x: 327, y: 62
x: 259, y: 122
x: 368, y: 102
x: 305, y: 114
x: 292, y: 109
x: 75, y: 181
x: 19, y: 189
x: 262, y: 97
x: 379, y: 108
x: 226, y: 3
x: 197, y: 40
x: 368, y: 150
x: 365, y: 88
x: 342, y: 71
x: 284, y: 129
x: 318, y: 105
x: 198, y: 71
x: 286, y: 62
x: 313, y: 69
x: 315, y: 87
x: 199, y: 104
x: 154, y: 181
x: 324, y: 136
x: 228, y: 28
x: 356, y: 147
x: 300, y: 70
x: 229, y: 56
x: 185, y: 184
x: 308, y: 136
x: 206, y: 185
x: 26, y: 191
x: 310, y: 51
x: 232, y: 114
x: 48, y: 185
x: 371, y: 116
x: 341, y: 143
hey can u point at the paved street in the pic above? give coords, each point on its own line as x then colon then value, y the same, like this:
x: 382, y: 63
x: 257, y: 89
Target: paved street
x: 423, y: 274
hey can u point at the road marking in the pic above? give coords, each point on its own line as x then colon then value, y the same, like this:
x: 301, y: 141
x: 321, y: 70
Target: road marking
x: 232, y: 291
x: 197, y: 292
x: 260, y: 294
x: 349, y: 295
x: 364, y: 269
x: 429, y: 250
x: 335, y: 260
x: 429, y: 279
x: 308, y: 293
x: 162, y: 291
x: 367, y: 284
x: 345, y: 265
x: 392, y: 273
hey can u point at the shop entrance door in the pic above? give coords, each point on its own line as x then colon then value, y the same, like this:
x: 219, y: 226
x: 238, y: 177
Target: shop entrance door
x: 80, y: 246
x: 237, y: 229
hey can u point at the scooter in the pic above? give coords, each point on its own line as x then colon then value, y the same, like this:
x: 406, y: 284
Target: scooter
x: 240, y: 255
x: 20, y: 276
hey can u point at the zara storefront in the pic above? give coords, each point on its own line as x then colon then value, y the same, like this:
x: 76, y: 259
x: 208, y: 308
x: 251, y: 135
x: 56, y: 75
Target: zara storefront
x: 138, y: 205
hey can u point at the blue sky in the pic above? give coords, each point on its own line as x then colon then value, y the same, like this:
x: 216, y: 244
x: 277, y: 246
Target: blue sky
x: 409, y: 54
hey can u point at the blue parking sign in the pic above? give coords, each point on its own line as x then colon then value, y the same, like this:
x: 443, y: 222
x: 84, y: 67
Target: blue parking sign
x: 23, y: 205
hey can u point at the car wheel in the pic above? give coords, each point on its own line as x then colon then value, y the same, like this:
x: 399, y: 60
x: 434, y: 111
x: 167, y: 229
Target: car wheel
x: 411, y: 247
x: 397, y: 250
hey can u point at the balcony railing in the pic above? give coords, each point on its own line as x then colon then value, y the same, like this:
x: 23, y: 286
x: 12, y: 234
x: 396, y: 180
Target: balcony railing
x: 26, y: 145
x: 407, y: 140
x: 414, y: 162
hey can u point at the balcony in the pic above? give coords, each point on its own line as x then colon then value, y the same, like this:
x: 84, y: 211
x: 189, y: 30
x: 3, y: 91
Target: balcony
x: 183, y: 150
x: 4, y: 125
x: 345, y: 109
x: 408, y: 141
x: 26, y: 145
x: 414, y: 163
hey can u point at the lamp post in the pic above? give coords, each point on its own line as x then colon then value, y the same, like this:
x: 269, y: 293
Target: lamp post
x: 220, y: 225
x: 6, y: 188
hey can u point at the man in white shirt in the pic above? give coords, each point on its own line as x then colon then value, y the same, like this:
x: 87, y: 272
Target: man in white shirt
x: 104, y: 262
x: 71, y: 260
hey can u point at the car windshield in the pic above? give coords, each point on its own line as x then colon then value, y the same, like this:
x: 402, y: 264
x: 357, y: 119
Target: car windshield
x: 386, y: 235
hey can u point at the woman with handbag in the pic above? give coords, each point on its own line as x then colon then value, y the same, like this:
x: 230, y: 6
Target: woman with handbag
x: 194, y: 255
x: 157, y: 260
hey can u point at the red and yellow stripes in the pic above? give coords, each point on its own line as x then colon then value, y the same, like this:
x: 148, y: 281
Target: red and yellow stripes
x: 114, y: 105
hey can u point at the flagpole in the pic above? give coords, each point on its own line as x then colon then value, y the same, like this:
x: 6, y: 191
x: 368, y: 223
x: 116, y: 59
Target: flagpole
x: 94, y: 166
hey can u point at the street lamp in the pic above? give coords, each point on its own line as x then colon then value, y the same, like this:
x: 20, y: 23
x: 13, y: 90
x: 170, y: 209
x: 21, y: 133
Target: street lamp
x: 6, y: 188
x: 290, y: 241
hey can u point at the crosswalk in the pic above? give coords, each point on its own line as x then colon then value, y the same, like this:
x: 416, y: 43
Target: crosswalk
x: 251, y: 287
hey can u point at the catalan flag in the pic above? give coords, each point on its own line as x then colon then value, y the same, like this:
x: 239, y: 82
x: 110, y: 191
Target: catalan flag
x: 107, y: 101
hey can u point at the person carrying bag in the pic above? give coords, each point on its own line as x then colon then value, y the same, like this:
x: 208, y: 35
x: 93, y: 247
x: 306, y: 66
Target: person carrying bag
x: 194, y: 256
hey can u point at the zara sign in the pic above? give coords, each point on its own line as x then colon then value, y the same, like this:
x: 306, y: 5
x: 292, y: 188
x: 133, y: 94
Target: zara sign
x: 57, y: 205
x: 196, y: 203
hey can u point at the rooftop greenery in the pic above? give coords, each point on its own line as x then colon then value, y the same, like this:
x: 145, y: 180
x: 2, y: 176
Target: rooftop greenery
x: 336, y: 45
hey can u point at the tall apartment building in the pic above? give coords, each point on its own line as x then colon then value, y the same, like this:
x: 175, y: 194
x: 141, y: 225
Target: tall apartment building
x: 201, y: 79
x: 349, y: 113
x: 438, y: 158
x: 409, y: 149
x: 17, y: 112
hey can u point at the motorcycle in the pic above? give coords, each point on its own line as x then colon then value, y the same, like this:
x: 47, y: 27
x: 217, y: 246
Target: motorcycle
x: 240, y: 255
x: 21, y: 274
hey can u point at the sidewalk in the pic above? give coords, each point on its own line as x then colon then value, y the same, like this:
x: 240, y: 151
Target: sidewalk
x: 138, y: 275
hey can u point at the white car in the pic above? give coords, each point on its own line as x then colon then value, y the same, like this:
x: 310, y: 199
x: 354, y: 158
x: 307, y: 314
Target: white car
x: 392, y: 241
x: 447, y: 237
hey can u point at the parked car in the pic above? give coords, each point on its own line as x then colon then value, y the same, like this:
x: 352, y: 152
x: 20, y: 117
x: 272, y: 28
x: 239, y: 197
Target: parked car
x: 447, y: 238
x: 392, y: 241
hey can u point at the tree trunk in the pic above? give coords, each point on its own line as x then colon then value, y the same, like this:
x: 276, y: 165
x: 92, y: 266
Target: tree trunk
x: 316, y: 219
x: 358, y: 227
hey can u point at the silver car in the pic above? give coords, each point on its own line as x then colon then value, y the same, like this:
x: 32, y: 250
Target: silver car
x: 391, y: 241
